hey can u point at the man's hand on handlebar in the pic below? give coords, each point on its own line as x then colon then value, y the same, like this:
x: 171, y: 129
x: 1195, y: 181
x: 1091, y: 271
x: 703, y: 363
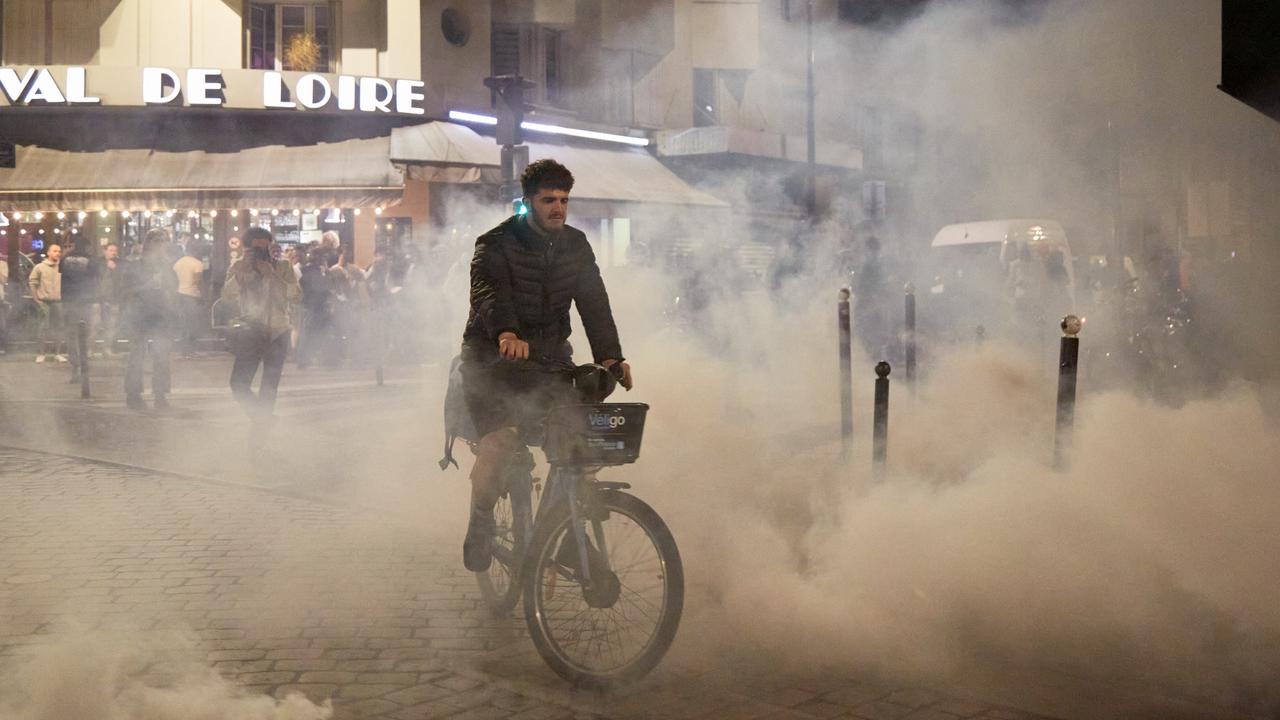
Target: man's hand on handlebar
x: 511, y: 347
x: 623, y: 373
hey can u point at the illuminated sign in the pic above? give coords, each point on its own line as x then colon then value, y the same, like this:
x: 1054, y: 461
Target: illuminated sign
x: 206, y: 87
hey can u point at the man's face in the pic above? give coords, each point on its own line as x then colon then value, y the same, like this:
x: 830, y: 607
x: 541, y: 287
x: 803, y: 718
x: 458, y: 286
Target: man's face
x: 55, y: 253
x: 549, y: 208
x: 233, y: 243
x: 111, y: 252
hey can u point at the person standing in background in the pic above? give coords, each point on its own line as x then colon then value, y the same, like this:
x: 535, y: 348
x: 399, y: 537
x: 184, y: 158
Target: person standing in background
x: 149, y: 286
x: 342, y: 281
x: 109, y: 298
x: 190, y: 272
x: 265, y: 290
x: 317, y: 310
x: 45, y: 282
x: 81, y: 273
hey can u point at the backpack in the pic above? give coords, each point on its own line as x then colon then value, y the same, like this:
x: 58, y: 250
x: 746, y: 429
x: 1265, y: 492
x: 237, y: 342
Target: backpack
x: 457, y: 417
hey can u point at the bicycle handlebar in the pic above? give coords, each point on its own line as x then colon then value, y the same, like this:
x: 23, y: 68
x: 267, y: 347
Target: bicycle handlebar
x: 592, y: 388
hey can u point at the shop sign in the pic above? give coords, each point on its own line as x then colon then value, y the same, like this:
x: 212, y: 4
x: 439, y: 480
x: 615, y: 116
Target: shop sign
x: 201, y: 87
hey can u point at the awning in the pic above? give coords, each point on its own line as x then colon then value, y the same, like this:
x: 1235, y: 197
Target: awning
x: 722, y: 140
x: 352, y: 173
x: 447, y: 152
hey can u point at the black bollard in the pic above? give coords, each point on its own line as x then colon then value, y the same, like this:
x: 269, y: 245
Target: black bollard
x: 981, y: 335
x: 846, y: 371
x: 82, y: 357
x: 880, y: 426
x: 909, y: 350
x: 1068, y: 356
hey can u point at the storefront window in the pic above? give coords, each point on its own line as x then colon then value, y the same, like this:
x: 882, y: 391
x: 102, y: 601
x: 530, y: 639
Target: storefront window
x: 290, y: 36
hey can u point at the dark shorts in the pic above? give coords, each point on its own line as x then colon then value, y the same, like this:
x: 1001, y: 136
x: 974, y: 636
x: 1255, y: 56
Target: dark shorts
x: 505, y: 394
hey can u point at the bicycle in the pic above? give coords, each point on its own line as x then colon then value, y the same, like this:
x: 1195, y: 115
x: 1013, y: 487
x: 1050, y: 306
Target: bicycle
x: 597, y: 568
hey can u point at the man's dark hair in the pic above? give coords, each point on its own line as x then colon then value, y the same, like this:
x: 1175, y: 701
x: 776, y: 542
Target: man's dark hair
x: 545, y: 174
x: 256, y: 233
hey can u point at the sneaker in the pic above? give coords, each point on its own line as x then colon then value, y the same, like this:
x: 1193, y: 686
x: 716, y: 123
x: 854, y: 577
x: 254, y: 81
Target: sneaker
x: 60, y: 357
x: 39, y: 358
x: 477, y: 551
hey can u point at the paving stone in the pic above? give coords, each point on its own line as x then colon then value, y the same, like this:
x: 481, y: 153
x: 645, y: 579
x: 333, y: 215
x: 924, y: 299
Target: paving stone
x: 963, y: 708
x: 266, y: 678
x: 419, y: 694
x: 363, y: 690
x: 307, y: 665
x: 914, y: 697
x: 856, y: 695
x: 217, y: 655
x: 424, y: 711
x: 881, y: 710
x: 930, y: 714
x: 482, y: 713
x: 331, y: 676
x: 315, y: 692
x: 817, y: 708
x: 303, y: 653
x: 242, y: 666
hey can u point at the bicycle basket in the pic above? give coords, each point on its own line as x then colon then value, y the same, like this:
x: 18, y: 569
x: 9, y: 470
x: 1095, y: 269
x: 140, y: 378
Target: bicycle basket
x: 603, y: 434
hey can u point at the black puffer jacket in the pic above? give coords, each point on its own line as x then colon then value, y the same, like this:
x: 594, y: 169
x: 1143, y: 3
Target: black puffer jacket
x: 524, y: 283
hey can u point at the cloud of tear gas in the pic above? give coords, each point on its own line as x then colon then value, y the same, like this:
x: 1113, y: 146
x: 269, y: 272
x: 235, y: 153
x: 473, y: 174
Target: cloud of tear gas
x: 134, y: 677
x: 1145, y: 562
x: 1144, y: 565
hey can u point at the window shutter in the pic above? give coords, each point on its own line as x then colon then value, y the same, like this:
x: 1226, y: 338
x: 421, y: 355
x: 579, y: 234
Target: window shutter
x: 506, y: 49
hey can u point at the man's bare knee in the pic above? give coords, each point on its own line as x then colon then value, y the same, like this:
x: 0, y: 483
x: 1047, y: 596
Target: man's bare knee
x: 493, y: 453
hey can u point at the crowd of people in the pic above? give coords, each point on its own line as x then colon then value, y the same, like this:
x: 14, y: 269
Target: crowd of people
x: 308, y: 303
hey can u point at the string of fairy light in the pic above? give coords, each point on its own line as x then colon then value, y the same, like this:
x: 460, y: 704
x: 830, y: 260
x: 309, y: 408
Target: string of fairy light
x: 126, y: 216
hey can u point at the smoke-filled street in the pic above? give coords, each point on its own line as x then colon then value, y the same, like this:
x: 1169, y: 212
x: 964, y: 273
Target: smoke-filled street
x: 125, y: 573
x: 630, y: 359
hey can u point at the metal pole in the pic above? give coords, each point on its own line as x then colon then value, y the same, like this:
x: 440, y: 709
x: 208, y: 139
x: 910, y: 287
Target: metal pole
x: 811, y: 183
x: 846, y: 372
x: 910, y: 338
x: 981, y: 335
x: 1068, y: 356
x: 82, y: 357
x: 880, y: 427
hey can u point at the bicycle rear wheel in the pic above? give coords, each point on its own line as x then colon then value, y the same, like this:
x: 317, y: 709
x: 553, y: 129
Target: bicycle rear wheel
x: 617, y: 630
x: 500, y: 584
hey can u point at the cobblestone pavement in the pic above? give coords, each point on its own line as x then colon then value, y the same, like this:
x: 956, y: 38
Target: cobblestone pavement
x: 285, y: 594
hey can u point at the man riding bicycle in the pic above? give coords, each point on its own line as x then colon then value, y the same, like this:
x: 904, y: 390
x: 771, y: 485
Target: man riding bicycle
x: 524, y: 275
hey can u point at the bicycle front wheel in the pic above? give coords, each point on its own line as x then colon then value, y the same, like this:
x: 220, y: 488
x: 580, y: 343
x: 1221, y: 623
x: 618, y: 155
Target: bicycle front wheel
x: 500, y: 584
x: 617, y: 628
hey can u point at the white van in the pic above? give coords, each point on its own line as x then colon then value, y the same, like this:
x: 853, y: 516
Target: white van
x: 988, y: 271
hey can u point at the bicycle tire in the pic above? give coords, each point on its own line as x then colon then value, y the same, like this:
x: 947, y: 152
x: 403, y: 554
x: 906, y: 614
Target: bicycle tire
x: 500, y: 584
x: 544, y: 549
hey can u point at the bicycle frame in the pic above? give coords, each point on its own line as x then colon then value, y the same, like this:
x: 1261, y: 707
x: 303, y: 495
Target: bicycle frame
x: 579, y: 489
